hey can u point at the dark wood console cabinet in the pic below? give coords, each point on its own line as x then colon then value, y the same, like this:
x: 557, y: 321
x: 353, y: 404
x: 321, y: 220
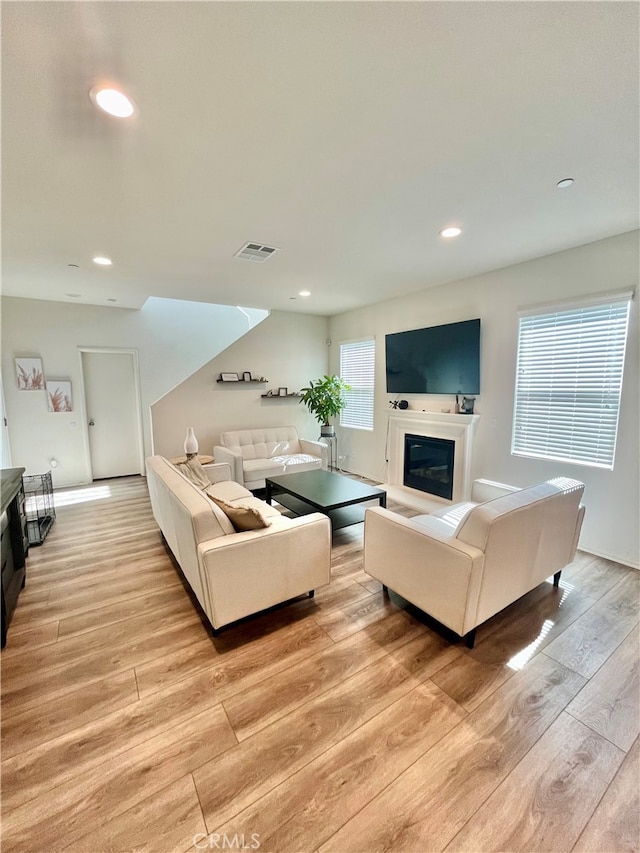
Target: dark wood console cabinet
x: 15, y: 542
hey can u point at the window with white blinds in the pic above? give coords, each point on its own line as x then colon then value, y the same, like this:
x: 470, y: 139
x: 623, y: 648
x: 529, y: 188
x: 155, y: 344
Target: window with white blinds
x: 569, y: 382
x: 357, y: 368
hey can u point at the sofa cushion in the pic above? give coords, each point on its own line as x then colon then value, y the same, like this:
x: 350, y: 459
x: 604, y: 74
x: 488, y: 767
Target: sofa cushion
x: 242, y: 517
x: 258, y: 469
x: 194, y: 472
x: 262, y: 443
x: 228, y: 490
x: 455, y: 514
x: 502, y: 511
x: 433, y: 524
x: 266, y: 510
x: 299, y: 462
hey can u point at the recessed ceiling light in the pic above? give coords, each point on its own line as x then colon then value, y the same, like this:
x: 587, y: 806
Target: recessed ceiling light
x: 73, y: 295
x: 112, y: 101
x: 565, y: 182
x: 102, y: 262
x: 452, y: 231
x: 304, y: 293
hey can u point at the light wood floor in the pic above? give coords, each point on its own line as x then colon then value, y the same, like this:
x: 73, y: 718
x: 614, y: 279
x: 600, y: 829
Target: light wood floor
x: 343, y: 723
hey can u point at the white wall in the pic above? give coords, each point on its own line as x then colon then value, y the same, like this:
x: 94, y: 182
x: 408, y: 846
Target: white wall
x: 611, y: 497
x: 288, y: 349
x: 173, y: 338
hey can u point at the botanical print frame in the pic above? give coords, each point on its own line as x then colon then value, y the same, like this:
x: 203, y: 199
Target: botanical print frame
x: 29, y: 374
x: 59, y: 397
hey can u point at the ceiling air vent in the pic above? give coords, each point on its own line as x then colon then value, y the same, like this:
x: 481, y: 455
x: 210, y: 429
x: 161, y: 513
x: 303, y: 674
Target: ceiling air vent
x: 255, y: 252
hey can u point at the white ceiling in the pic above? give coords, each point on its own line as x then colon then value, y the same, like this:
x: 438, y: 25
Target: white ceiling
x: 347, y: 134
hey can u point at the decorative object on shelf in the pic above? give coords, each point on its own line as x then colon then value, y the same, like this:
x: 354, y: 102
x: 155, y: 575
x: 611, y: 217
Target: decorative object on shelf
x: 29, y: 374
x: 59, y: 395
x: 190, y: 444
x: 246, y: 378
x: 275, y: 394
x: 399, y: 404
x: 282, y: 392
x: 466, y: 407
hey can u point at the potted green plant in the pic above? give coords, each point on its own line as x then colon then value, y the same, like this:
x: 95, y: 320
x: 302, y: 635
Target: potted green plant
x: 325, y: 399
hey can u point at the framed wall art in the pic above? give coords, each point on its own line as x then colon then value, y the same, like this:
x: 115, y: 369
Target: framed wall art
x: 59, y: 395
x: 29, y: 374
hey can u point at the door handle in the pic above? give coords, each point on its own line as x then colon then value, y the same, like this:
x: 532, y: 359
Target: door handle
x: 91, y: 423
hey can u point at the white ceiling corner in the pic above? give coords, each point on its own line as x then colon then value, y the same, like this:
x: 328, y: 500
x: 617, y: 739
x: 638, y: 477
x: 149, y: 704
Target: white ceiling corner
x: 345, y: 134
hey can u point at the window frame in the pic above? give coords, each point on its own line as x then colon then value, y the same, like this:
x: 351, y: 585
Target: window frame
x: 368, y: 391
x: 568, y: 380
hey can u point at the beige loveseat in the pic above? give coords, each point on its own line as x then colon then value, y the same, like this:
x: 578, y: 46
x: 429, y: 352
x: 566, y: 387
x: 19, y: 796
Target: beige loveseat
x: 236, y: 574
x: 254, y: 454
x: 466, y: 562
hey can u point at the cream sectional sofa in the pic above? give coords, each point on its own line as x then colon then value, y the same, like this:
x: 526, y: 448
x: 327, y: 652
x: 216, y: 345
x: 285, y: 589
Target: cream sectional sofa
x: 236, y: 574
x: 254, y: 454
x: 466, y: 562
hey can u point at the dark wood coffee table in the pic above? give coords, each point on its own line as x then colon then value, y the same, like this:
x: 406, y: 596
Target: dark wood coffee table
x: 323, y: 491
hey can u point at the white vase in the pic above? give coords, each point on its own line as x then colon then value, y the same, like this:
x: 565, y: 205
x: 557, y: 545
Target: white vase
x: 190, y: 443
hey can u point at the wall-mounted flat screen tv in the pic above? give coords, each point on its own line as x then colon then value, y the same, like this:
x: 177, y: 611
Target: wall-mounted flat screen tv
x: 437, y: 360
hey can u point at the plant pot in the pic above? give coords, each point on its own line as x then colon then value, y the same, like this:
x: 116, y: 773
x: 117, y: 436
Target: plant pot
x: 327, y: 430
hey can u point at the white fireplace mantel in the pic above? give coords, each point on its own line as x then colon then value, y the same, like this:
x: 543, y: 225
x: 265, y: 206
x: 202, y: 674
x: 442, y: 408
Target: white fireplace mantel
x: 457, y: 428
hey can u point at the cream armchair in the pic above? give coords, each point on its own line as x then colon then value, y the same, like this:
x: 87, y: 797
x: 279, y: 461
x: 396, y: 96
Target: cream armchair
x: 466, y: 562
x: 254, y: 454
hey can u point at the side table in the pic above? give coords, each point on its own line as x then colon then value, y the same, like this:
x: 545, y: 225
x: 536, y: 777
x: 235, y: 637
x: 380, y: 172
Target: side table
x: 203, y: 459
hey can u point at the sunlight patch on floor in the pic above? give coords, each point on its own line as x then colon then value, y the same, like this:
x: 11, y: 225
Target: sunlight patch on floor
x: 518, y: 661
x: 80, y: 496
x: 567, y: 589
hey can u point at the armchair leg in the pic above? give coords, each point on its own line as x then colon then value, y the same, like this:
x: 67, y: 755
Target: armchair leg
x: 556, y: 578
x: 312, y: 592
x: 470, y: 639
x: 385, y: 591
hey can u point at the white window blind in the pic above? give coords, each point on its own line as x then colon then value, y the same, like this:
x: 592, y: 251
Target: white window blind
x: 569, y: 382
x: 357, y: 368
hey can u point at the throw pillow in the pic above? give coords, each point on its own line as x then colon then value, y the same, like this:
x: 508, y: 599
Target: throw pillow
x: 193, y: 471
x: 242, y: 517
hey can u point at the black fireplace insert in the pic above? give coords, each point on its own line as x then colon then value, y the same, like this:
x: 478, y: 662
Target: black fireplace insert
x: 428, y: 464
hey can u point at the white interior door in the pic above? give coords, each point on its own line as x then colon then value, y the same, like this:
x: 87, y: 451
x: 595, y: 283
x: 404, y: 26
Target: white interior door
x: 113, y: 413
